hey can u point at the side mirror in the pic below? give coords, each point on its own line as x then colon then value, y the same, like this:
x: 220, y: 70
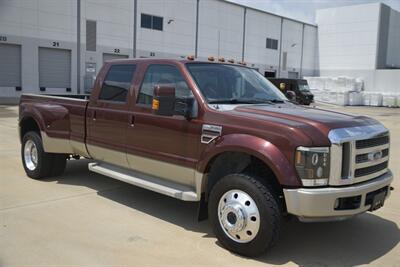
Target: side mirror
x: 291, y: 95
x: 164, y: 100
x: 166, y: 104
x: 185, y: 107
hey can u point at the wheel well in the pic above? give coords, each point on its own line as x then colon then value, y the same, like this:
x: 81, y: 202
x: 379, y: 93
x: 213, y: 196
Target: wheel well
x: 239, y: 162
x: 28, y: 125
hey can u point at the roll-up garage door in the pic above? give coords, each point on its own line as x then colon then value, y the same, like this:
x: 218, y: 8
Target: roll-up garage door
x: 54, y: 68
x: 107, y: 57
x: 10, y: 65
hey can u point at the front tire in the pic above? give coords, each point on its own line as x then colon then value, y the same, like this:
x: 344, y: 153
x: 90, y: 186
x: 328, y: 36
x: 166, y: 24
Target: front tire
x: 37, y: 163
x: 244, y: 214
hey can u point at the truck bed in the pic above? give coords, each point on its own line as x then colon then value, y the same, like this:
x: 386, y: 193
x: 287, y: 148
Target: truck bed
x: 61, y: 119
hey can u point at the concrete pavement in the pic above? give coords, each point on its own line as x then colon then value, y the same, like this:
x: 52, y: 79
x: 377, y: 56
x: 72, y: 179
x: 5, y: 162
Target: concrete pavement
x: 85, y: 219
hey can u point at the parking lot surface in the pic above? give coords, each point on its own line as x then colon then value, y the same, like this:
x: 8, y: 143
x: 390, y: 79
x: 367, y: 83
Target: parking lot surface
x: 86, y: 219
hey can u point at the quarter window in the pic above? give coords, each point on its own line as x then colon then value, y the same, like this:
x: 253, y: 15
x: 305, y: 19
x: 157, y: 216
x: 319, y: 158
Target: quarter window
x: 117, y: 83
x: 162, y: 74
x: 151, y: 22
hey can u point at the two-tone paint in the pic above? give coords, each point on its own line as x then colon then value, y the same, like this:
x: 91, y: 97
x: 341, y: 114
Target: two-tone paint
x: 130, y: 136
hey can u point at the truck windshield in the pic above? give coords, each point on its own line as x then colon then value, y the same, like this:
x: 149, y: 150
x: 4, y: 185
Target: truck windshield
x: 230, y: 84
x: 304, y: 87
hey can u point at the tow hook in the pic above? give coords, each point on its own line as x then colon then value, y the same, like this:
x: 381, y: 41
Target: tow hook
x: 391, y: 188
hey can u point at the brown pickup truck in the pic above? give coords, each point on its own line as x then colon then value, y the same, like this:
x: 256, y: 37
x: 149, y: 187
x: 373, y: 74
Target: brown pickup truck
x: 216, y: 133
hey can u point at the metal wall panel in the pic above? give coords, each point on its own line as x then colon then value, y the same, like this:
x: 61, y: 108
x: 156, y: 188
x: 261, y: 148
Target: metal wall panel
x: 10, y: 65
x: 54, y: 68
x: 107, y: 56
x: 293, y: 75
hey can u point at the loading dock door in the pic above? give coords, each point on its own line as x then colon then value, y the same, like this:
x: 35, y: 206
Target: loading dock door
x: 107, y: 57
x: 10, y: 65
x: 54, y: 68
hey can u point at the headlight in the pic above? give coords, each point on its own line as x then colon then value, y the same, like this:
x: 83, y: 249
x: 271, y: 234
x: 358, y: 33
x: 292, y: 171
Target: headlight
x: 312, y: 165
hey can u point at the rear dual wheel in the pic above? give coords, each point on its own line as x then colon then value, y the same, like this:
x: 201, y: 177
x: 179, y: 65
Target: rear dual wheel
x: 245, y: 214
x: 37, y: 163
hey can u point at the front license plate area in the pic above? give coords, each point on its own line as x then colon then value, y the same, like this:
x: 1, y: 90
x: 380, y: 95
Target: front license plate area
x: 378, y: 200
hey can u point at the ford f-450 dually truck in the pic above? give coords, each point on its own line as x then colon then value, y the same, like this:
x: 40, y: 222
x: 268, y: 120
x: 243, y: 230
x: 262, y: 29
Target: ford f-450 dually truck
x: 217, y: 133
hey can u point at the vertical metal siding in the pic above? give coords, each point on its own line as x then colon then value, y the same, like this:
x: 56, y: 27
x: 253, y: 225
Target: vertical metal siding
x: 54, y: 68
x: 107, y: 56
x: 293, y: 75
x: 10, y: 65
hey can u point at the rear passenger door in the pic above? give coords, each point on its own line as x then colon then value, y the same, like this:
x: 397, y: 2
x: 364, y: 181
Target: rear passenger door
x: 108, y: 116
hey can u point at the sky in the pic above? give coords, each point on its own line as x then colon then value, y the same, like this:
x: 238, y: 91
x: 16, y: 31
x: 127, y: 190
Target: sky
x: 304, y: 10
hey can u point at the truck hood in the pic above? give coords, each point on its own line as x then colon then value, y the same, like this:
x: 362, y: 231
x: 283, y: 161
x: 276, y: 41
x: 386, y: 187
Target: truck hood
x: 314, y: 122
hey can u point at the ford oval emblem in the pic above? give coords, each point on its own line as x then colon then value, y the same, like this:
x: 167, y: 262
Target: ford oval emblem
x: 375, y: 155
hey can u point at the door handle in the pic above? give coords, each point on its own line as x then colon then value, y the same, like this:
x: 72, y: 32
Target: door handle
x: 132, y: 120
x: 94, y: 116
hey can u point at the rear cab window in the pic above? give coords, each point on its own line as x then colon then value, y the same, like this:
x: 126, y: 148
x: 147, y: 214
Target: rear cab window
x: 116, y: 85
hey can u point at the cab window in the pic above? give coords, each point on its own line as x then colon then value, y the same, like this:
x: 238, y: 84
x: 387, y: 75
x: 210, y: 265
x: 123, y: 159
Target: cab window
x: 117, y: 83
x: 162, y: 74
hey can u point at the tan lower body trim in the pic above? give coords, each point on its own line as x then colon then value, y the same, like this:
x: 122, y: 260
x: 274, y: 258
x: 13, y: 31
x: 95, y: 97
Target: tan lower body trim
x: 167, y: 171
x: 108, y: 155
x: 56, y: 145
x: 64, y: 146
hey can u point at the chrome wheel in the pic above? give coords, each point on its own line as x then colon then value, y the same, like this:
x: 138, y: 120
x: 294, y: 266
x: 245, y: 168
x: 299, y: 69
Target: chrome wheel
x: 239, y: 216
x: 30, y: 155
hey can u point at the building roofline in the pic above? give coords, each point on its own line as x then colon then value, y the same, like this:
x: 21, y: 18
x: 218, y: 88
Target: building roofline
x: 364, y: 4
x: 269, y: 13
x: 161, y: 60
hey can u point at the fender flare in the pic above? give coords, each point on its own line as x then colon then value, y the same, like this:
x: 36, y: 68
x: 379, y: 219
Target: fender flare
x: 262, y: 149
x: 44, y: 114
x: 32, y: 113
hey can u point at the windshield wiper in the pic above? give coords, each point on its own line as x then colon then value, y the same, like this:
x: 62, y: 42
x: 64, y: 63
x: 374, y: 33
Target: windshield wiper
x: 233, y: 101
x: 275, y: 100
x: 244, y: 101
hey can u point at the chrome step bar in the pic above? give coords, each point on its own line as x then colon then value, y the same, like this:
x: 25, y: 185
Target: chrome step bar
x: 155, y: 184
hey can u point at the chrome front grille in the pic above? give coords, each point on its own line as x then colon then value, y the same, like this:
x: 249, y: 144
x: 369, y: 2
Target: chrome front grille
x: 361, y: 158
x: 371, y: 158
x: 370, y: 170
x: 377, y: 141
x: 358, y: 154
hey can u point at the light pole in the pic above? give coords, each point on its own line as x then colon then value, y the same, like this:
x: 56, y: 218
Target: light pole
x: 78, y: 47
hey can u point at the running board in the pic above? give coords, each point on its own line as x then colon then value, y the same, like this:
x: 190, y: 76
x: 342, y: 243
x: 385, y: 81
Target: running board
x: 155, y: 184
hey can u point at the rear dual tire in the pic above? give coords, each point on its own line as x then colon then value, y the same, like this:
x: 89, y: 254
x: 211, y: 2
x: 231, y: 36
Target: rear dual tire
x: 37, y: 163
x: 244, y: 214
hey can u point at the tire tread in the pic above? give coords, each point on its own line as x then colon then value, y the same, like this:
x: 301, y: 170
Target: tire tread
x: 49, y: 164
x: 269, y: 198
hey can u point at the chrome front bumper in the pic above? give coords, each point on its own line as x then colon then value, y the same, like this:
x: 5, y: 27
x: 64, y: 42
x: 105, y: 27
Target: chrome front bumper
x: 318, y: 204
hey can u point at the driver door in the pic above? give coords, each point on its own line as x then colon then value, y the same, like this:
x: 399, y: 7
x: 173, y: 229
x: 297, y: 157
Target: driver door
x: 165, y: 147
